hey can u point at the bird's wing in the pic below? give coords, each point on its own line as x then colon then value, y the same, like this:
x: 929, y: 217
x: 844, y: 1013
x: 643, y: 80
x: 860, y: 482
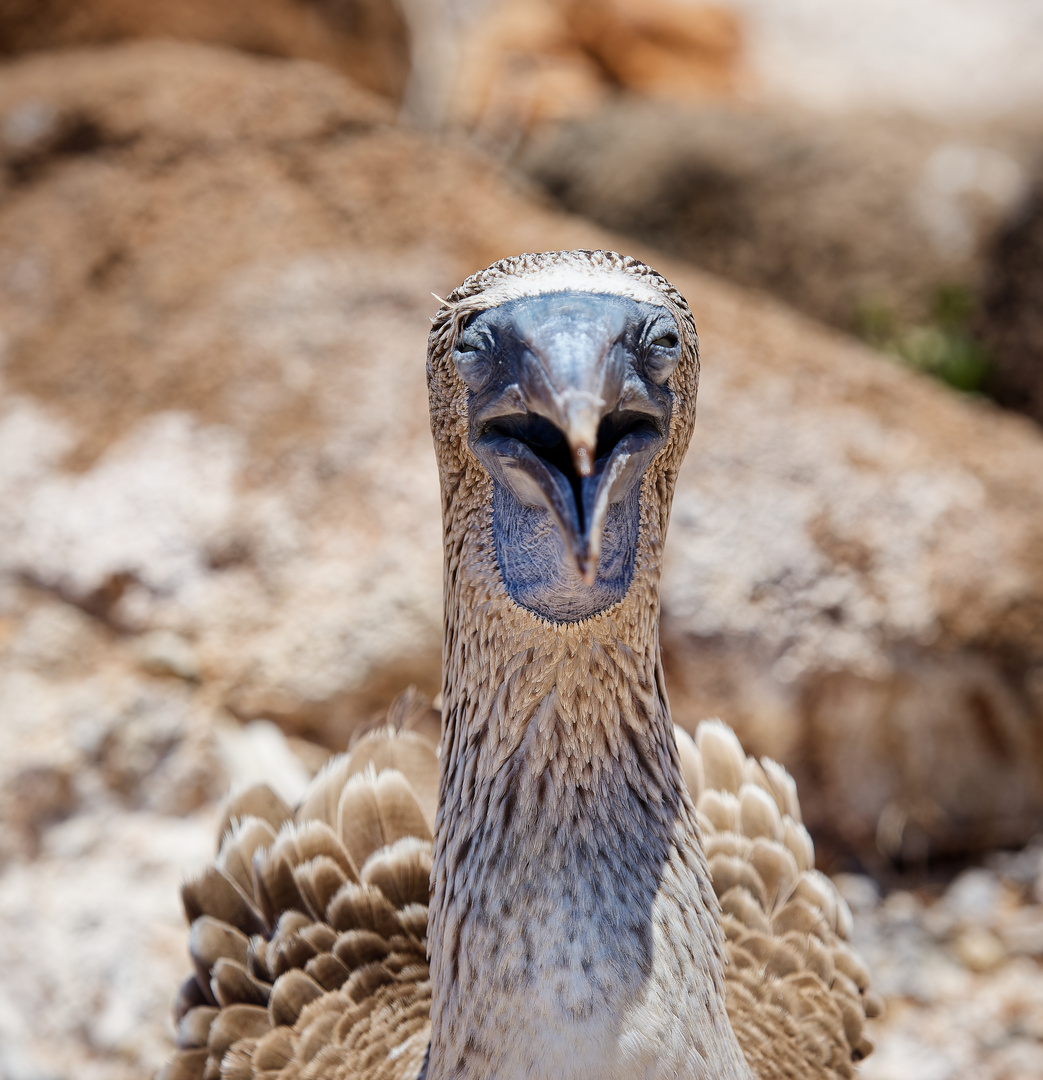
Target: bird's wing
x: 798, y: 996
x: 309, y: 930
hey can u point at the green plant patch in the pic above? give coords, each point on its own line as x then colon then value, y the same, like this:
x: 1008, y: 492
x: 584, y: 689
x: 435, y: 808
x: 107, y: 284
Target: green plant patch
x: 944, y: 347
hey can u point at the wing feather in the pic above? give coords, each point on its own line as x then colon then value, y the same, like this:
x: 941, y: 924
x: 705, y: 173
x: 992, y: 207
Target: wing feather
x: 797, y: 995
x: 309, y: 930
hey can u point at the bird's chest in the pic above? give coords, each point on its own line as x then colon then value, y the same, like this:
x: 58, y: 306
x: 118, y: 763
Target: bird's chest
x: 556, y: 955
x: 571, y: 938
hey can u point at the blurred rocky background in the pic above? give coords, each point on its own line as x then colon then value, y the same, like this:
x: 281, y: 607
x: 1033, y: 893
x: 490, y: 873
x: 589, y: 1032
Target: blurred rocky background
x: 220, y: 226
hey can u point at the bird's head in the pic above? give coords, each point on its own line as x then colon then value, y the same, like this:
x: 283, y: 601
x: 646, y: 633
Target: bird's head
x: 562, y: 400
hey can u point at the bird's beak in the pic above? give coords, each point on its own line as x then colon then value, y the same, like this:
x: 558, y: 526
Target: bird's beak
x: 571, y: 427
x: 577, y: 415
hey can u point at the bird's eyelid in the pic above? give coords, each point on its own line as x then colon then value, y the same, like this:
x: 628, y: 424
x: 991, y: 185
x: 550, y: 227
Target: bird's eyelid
x: 662, y: 349
x: 472, y: 357
x: 663, y: 333
x: 473, y: 339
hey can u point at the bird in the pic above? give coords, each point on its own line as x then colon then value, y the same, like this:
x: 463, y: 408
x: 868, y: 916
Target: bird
x: 543, y: 876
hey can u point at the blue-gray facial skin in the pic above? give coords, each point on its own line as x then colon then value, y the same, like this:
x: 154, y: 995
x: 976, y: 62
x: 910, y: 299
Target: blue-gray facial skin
x: 568, y: 407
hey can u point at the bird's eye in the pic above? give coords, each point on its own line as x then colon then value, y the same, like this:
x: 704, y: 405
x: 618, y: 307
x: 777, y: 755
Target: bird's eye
x: 667, y: 341
x: 662, y: 356
x: 472, y: 361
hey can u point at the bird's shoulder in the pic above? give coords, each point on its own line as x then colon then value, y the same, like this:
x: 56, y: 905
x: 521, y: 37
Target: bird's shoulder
x: 308, y: 931
x: 797, y: 994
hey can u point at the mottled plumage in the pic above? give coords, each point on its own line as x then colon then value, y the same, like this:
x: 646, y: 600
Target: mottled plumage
x: 597, y: 894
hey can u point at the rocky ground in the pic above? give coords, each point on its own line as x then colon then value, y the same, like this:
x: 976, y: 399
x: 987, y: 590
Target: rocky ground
x: 94, y: 942
x: 218, y: 508
x: 960, y: 971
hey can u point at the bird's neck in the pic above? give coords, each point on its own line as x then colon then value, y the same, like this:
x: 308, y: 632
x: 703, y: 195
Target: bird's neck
x: 573, y: 929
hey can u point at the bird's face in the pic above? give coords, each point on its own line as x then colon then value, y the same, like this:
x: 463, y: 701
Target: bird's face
x: 568, y: 403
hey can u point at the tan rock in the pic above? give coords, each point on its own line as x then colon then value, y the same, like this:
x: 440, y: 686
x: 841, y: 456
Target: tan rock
x: 215, y: 279
x: 96, y: 919
x: 163, y: 653
x: 34, y: 798
x: 668, y: 49
x: 521, y: 64
x: 366, y: 39
x: 869, y: 222
x: 527, y: 62
x: 979, y: 949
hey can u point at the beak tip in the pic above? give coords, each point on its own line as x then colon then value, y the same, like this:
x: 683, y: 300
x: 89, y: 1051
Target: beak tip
x: 588, y: 571
x: 583, y: 459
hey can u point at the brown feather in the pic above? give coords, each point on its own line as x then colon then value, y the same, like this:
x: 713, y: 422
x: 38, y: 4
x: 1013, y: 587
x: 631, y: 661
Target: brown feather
x: 274, y: 884
x: 797, y: 994
x: 292, y: 991
x: 375, y: 811
x: 232, y: 984
x: 189, y: 996
x: 185, y: 1065
x: 402, y: 872
x: 235, y: 858
x: 317, y: 881
x: 258, y: 801
x: 194, y: 1028
x: 237, y: 1063
x: 213, y: 893
x: 407, y: 753
x: 234, y: 1023
x: 209, y: 939
x: 328, y: 971
x: 315, y: 838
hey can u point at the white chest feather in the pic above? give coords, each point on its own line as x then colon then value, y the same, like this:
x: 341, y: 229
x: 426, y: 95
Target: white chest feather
x: 582, y: 956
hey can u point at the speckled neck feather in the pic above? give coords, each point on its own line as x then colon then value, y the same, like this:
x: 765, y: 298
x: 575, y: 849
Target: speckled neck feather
x: 566, y: 851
